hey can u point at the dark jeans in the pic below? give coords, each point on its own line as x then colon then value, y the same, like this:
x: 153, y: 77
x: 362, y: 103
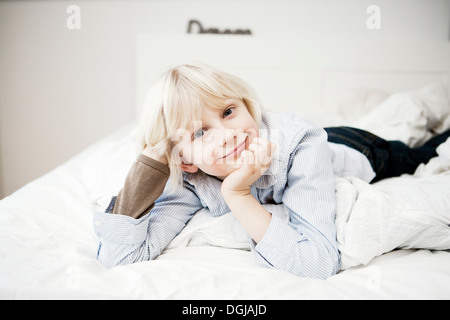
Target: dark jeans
x: 388, y: 158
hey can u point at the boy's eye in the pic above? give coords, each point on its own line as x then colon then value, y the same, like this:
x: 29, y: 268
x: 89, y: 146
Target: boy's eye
x: 228, y: 112
x: 198, y: 134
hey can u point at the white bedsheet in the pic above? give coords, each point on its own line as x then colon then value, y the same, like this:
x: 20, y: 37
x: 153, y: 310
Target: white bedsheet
x: 48, y: 247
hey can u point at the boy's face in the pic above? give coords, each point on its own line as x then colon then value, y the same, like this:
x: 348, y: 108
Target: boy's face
x: 214, y: 144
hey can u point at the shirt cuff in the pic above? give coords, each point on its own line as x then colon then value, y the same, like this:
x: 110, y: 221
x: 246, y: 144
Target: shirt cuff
x: 121, y: 229
x: 278, y: 242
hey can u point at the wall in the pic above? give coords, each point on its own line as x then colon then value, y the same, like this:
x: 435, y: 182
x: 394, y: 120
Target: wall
x: 63, y: 89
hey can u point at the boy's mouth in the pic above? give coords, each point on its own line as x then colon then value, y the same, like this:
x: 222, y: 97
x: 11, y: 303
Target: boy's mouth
x: 236, y: 150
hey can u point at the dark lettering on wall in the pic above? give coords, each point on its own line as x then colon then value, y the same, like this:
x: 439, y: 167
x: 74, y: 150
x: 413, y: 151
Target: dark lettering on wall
x: 195, y: 26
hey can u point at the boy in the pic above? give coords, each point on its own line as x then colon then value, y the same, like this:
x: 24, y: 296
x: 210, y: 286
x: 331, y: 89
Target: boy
x: 204, y: 129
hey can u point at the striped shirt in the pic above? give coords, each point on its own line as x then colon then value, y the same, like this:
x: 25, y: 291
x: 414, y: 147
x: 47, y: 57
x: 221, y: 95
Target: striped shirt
x: 300, y: 177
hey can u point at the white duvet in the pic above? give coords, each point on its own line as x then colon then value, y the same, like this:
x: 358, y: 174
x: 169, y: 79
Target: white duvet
x: 48, y: 248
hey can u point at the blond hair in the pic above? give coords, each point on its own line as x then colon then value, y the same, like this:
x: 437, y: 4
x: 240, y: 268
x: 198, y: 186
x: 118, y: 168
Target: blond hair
x: 175, y: 101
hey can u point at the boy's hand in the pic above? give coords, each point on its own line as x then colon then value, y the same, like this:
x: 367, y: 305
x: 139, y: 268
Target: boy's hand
x: 255, y: 162
x: 150, y: 151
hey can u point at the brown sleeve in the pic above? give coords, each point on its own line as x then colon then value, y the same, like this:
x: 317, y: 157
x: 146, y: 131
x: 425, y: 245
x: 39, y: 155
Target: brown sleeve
x: 144, y: 184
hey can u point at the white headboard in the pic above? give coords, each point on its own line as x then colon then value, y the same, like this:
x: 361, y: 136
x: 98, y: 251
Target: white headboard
x: 297, y: 75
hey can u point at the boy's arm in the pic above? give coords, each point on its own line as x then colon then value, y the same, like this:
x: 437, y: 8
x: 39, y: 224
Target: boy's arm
x: 311, y: 202
x: 144, y: 184
x: 251, y: 215
x: 131, y: 232
x: 305, y: 246
x: 236, y: 189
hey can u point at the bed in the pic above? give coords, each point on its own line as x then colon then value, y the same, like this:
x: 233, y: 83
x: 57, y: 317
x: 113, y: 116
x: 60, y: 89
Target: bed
x: 394, y: 236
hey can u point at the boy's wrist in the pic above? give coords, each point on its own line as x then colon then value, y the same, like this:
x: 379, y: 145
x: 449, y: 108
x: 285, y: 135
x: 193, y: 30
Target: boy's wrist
x: 249, y: 213
x: 236, y: 196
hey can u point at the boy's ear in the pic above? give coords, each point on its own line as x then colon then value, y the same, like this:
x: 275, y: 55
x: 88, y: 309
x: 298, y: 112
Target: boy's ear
x: 189, y: 167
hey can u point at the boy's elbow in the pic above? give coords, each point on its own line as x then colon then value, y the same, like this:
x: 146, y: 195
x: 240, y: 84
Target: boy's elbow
x: 317, y: 262
x: 111, y: 257
x: 107, y: 263
x: 325, y: 268
x: 107, y: 258
x: 327, y: 264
